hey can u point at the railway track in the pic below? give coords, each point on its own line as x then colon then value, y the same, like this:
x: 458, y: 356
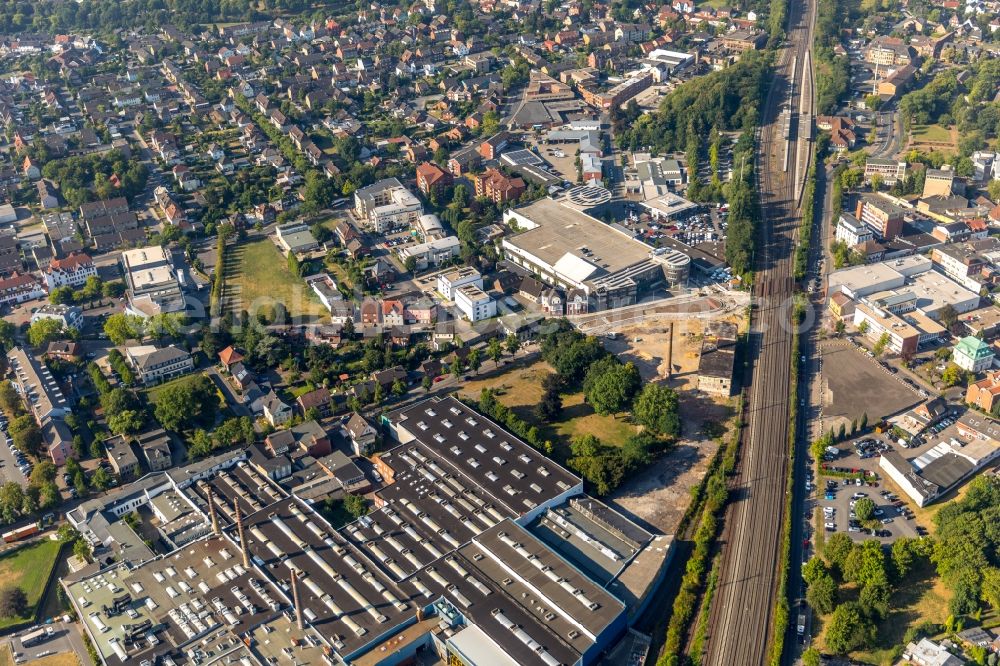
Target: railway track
x: 743, y: 610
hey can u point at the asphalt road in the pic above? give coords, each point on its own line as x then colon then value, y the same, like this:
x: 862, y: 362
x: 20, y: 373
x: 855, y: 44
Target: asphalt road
x: 743, y: 611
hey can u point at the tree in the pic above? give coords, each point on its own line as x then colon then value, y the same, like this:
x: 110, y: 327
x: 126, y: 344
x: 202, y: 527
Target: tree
x: 849, y: 629
x: 10, y: 399
x: 127, y: 422
x: 475, y: 360
x: 201, y: 444
x: 13, y: 602
x: 121, y: 327
x: 948, y: 316
x: 44, y: 331
x: 427, y: 382
x: 355, y: 505
x: 991, y: 587
x: 25, y: 434
x: 44, y: 472
x: 881, y: 344
x: 512, y: 343
x: 7, y: 331
x: 836, y: 548
x: 82, y: 549
x: 67, y: 533
x: 952, y: 375
x: 864, y: 509
x: 811, y: 657
x: 62, y: 296
x: 11, y: 500
x: 822, y: 593
x: 113, y: 289
x: 189, y: 403
x: 550, y: 406
x: 865, y: 565
x: 494, y: 350
x: 610, y: 386
x: 657, y: 408
x: 118, y: 400
x: 101, y: 479
x: 410, y: 264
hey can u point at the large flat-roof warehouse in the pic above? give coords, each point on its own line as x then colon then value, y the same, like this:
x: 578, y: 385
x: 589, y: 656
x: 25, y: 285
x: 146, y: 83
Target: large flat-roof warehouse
x: 475, y: 530
x: 571, y: 249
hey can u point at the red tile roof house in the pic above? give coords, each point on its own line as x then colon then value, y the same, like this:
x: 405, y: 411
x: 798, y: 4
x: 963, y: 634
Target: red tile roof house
x: 230, y: 357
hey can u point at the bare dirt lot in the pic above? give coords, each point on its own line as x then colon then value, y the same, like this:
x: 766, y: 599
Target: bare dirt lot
x: 659, y: 495
x: 648, y: 346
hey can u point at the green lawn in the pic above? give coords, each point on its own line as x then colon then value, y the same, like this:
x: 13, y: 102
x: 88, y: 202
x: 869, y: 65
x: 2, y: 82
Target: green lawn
x: 935, y: 133
x: 259, y: 273
x: 28, y: 568
x: 154, y: 391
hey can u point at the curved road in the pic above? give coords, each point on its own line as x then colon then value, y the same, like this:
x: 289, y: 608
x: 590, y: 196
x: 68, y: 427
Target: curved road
x: 743, y: 610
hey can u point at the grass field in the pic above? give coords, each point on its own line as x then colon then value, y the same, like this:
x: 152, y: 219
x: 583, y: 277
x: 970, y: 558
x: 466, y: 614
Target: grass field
x: 931, y: 133
x: 520, y: 388
x: 28, y: 568
x: 260, y: 275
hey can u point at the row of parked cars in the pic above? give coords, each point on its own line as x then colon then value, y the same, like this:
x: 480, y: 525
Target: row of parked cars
x: 22, y: 461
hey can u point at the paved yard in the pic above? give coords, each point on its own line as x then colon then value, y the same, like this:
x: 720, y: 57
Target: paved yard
x: 854, y: 383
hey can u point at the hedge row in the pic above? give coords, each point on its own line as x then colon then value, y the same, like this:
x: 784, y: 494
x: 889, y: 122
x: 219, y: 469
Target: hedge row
x: 714, y: 495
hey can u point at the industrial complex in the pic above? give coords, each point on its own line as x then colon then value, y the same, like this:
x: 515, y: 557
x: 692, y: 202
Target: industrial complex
x: 480, y: 549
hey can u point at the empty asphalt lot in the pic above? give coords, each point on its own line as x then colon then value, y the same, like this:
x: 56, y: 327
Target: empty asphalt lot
x: 855, y: 384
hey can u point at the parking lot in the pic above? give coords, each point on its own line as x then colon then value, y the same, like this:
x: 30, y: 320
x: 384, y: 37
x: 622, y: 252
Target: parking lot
x: 835, y: 496
x: 8, y: 463
x: 65, y: 638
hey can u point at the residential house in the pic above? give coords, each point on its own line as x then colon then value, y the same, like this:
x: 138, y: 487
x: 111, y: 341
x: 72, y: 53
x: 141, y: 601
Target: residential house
x: 985, y: 393
x: 123, y: 460
x: 275, y: 410
x: 497, y: 187
x: 155, y: 448
x: 362, y: 435
x: 65, y: 350
x: 318, y: 399
x: 48, y: 194
x: 230, y: 357
x: 20, y: 288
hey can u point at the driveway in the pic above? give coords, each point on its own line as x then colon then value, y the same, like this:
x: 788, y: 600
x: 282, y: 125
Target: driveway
x: 239, y: 409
